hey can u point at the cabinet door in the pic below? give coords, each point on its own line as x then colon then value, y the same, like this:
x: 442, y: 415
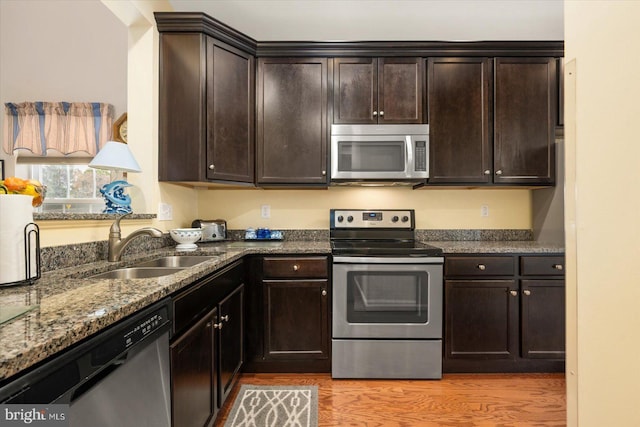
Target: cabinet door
x: 296, y: 319
x: 231, y: 334
x: 292, y: 121
x: 355, y: 91
x: 182, y: 103
x: 230, y: 113
x: 400, y: 90
x: 525, y: 117
x: 481, y: 319
x: 193, y: 379
x: 459, y: 120
x: 543, y: 319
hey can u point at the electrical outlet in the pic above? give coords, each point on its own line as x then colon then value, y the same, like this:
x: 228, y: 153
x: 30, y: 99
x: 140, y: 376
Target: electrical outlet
x: 484, y: 210
x: 265, y: 211
x: 165, y: 212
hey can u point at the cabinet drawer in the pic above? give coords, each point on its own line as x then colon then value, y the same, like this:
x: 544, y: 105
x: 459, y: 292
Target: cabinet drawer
x: 479, y: 266
x: 542, y: 265
x: 291, y: 267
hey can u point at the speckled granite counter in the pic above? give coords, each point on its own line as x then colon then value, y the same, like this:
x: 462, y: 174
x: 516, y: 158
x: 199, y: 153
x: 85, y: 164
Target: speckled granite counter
x: 488, y: 247
x: 71, y: 307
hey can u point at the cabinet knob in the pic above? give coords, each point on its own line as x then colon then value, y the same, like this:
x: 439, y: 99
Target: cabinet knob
x: 212, y: 167
x: 487, y: 172
x: 514, y: 293
x: 208, y: 325
x: 217, y: 325
x: 296, y: 267
x: 375, y: 113
x: 224, y: 318
x: 381, y: 113
x: 527, y: 292
x: 558, y: 266
x: 324, y: 173
x: 499, y: 172
x: 324, y: 292
x: 482, y: 267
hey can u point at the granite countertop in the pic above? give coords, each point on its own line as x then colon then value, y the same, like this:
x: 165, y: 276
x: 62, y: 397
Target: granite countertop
x: 497, y: 247
x: 69, y: 306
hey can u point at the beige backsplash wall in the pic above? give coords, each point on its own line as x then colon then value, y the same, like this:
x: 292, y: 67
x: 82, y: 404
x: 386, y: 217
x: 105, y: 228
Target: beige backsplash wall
x: 309, y: 209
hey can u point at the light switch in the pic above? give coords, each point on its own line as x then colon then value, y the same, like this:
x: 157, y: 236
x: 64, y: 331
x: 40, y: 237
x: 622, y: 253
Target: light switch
x: 265, y: 211
x: 165, y: 212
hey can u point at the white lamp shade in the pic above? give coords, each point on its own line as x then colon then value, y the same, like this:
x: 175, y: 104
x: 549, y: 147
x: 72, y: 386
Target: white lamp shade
x: 115, y: 156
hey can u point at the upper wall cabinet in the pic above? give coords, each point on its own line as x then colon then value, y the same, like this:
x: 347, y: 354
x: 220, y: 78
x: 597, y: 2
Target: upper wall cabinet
x: 206, y: 121
x: 525, y: 119
x: 459, y: 91
x: 292, y: 124
x: 378, y: 90
x: 492, y: 125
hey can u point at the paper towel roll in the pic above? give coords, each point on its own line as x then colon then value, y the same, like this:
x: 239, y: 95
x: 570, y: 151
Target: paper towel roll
x: 15, y: 213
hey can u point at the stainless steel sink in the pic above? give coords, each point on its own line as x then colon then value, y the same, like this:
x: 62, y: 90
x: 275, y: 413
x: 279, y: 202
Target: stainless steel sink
x: 136, y: 273
x: 178, y: 261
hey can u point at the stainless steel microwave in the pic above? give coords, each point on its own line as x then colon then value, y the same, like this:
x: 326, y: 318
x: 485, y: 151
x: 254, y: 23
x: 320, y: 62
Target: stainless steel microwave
x: 397, y: 153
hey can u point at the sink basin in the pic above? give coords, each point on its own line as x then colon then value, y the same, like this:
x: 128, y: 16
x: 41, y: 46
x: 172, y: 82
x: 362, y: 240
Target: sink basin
x: 175, y: 261
x: 136, y: 273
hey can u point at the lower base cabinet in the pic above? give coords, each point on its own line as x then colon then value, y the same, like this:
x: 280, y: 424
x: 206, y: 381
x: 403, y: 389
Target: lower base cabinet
x: 504, y: 313
x: 287, y: 308
x: 207, y: 348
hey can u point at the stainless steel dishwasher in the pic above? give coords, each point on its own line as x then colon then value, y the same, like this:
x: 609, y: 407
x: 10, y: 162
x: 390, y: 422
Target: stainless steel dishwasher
x: 118, y: 378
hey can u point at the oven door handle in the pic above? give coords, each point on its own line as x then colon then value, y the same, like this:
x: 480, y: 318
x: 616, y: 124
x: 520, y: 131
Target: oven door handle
x: 409, y: 259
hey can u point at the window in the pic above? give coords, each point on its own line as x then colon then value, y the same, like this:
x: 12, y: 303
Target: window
x: 71, y: 187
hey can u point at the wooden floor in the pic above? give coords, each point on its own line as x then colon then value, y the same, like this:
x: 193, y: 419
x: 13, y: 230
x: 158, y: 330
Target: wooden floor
x: 457, y: 400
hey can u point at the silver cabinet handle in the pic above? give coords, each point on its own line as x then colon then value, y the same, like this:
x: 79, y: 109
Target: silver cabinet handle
x: 527, y: 292
x: 482, y: 267
x: 324, y: 173
x: 558, y: 266
x: 208, y: 325
x: 514, y: 293
x: 224, y: 318
x: 324, y: 292
x: 217, y: 325
x: 499, y: 172
x: 381, y: 113
x: 375, y: 113
x: 296, y: 267
x: 487, y: 172
x: 212, y: 167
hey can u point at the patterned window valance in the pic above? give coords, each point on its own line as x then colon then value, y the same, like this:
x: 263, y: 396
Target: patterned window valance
x: 65, y: 127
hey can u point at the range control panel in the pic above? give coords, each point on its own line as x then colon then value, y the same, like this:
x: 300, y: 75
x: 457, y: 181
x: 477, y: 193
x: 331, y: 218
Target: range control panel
x: 382, y: 218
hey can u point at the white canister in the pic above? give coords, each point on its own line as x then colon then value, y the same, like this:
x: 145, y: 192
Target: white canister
x: 16, y: 213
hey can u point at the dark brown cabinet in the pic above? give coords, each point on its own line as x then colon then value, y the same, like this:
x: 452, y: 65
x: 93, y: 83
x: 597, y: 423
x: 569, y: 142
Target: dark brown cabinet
x: 525, y: 119
x: 289, y: 329
x: 292, y: 127
x: 206, y: 113
x: 542, y: 299
x: 207, y: 346
x: 193, y: 380
x: 492, y: 126
x: 460, y: 144
x: 378, y: 90
x: 504, y: 313
x: 231, y: 342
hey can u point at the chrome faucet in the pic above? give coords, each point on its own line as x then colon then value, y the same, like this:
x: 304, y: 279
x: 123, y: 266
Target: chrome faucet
x: 117, y: 244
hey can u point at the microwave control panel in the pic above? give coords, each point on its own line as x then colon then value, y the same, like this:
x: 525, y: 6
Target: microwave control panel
x: 384, y: 218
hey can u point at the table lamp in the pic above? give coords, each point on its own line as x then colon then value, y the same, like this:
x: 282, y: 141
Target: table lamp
x: 116, y: 156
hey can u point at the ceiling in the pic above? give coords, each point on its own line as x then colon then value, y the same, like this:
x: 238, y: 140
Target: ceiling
x: 374, y: 20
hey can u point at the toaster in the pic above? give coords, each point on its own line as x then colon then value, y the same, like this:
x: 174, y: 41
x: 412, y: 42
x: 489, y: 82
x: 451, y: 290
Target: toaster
x: 212, y: 229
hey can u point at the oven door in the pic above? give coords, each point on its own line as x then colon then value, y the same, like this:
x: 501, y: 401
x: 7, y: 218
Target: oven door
x: 387, y: 297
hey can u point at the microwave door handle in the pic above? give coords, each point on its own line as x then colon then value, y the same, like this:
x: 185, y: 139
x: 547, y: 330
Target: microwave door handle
x: 409, y: 155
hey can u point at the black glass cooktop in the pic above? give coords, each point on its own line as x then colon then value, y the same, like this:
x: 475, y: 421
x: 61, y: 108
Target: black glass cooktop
x: 369, y: 247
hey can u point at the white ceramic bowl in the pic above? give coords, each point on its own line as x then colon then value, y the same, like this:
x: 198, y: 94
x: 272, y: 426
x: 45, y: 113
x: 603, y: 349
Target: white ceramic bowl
x: 186, y: 238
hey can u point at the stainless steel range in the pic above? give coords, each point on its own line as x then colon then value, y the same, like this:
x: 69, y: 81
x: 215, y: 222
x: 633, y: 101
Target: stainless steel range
x: 387, y: 297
